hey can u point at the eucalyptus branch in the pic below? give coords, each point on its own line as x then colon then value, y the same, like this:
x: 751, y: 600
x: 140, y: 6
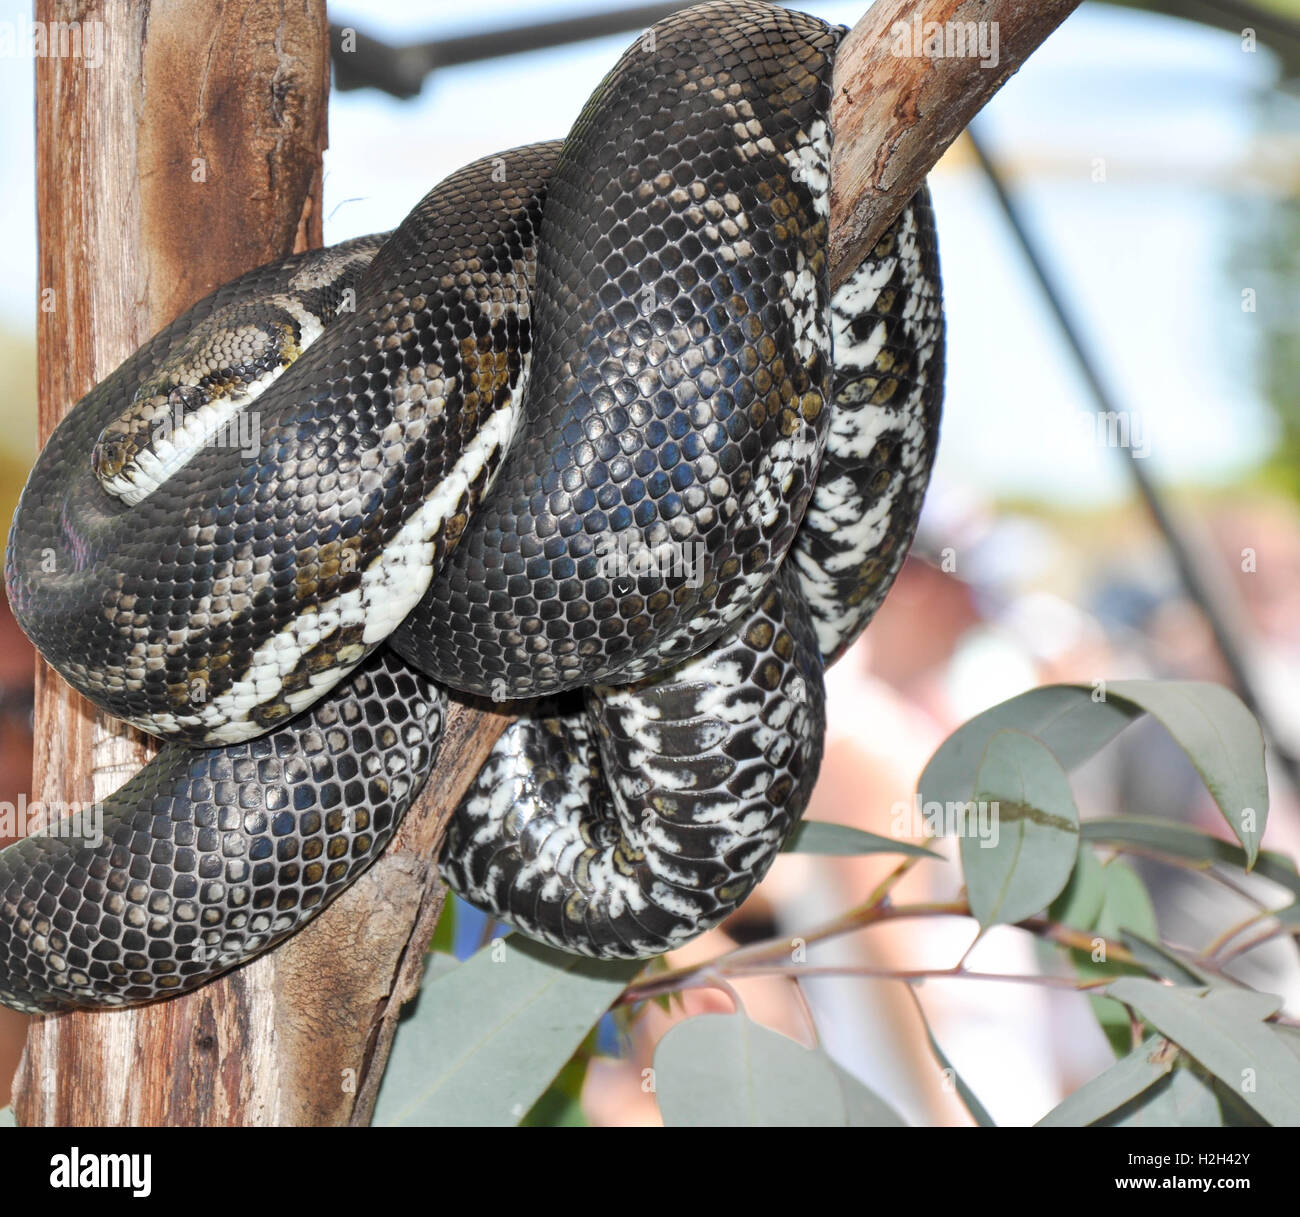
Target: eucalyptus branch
x: 908, y: 975
x: 1277, y: 932
x: 772, y: 956
x: 1220, y: 941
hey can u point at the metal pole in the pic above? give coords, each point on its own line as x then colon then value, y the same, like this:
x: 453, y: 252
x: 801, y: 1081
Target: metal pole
x: 1196, y: 580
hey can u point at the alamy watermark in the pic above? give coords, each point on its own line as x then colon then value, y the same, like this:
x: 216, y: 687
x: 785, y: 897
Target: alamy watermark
x: 1115, y: 429
x: 627, y: 556
x: 242, y: 430
x: 81, y: 821
x: 1080, y: 429
x: 917, y: 39
x: 124, y: 1172
x: 917, y: 819
x: 53, y: 40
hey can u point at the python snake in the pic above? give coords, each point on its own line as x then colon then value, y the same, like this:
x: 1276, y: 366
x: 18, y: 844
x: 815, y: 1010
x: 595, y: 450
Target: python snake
x: 588, y: 427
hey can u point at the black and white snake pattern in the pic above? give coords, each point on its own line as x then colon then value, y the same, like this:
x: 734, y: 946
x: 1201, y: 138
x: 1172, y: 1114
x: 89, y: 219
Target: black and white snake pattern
x: 587, y: 429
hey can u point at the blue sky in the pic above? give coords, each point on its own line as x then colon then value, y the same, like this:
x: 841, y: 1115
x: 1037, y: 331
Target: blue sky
x: 1173, y: 110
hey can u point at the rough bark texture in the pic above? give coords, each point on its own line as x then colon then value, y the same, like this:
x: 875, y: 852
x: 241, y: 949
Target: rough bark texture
x: 186, y: 150
x: 301, y: 1036
x: 897, y: 106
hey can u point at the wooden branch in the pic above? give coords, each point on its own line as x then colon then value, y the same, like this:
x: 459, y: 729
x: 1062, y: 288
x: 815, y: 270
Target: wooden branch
x: 898, y: 105
x: 302, y: 1035
x: 177, y: 146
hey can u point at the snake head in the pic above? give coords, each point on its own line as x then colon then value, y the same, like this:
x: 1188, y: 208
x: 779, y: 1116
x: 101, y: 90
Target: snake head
x: 148, y: 426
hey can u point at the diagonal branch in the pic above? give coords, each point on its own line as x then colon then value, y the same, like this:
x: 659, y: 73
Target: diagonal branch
x: 898, y: 105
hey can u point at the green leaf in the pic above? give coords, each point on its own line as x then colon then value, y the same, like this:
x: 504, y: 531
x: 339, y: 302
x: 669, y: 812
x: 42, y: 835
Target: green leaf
x: 1208, y: 722
x: 1223, y: 1029
x: 1121, y: 1083
x: 1221, y: 738
x: 1125, y: 906
x: 724, y: 1071
x: 972, y: 1104
x: 820, y: 837
x: 444, y: 935
x: 436, y: 964
x: 863, y: 1107
x: 561, y: 1105
x: 7, y: 1118
x: 1080, y: 903
x: 1184, y: 1098
x: 1064, y: 718
x: 1038, y: 831
x: 486, y: 1037
x: 1291, y: 1038
x: 1179, y: 841
x: 1166, y: 963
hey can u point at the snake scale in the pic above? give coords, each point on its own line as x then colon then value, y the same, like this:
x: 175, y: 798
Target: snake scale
x: 587, y: 429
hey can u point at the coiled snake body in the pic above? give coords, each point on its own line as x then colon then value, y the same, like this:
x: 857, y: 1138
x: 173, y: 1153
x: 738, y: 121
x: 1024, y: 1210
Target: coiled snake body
x: 587, y: 426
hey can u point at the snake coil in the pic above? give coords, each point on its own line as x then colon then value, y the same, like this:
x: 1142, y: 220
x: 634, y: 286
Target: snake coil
x: 588, y: 427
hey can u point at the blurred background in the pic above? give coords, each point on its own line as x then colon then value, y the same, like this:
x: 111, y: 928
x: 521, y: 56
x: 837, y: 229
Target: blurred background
x: 1153, y: 161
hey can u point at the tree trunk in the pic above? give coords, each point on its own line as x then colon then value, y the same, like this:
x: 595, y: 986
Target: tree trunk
x: 128, y: 240
x: 177, y: 145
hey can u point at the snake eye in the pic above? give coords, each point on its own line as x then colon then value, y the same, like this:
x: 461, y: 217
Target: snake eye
x: 107, y: 457
x: 185, y: 396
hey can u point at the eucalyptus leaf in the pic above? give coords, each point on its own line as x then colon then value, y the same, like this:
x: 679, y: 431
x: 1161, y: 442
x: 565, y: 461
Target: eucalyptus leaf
x: 1120, y: 1084
x: 1248, y: 1004
x: 863, y: 1107
x: 487, y: 1036
x: 1179, y: 841
x: 561, y: 1105
x: 1125, y: 907
x: 1078, y: 905
x: 1184, y: 1098
x: 1038, y: 831
x: 972, y: 1104
x: 723, y: 1070
x: 821, y: 837
x: 436, y: 964
x: 1221, y: 738
x: 1224, y: 1031
x: 1126, y: 903
x: 1290, y: 1037
x: 1209, y: 722
x: 1165, y: 963
x: 1064, y: 718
